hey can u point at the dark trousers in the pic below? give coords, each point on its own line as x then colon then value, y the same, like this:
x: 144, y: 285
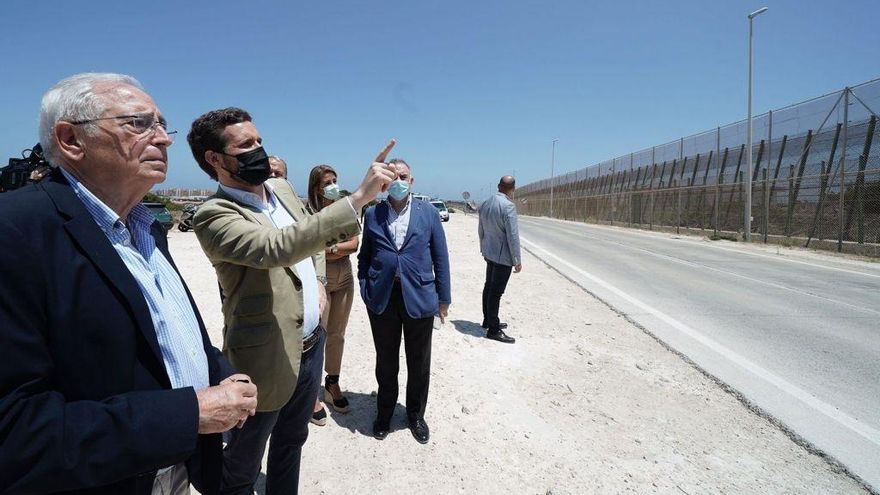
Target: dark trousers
x: 289, y: 427
x: 386, y: 329
x: 496, y: 281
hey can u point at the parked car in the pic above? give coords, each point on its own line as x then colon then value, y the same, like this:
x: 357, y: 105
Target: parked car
x: 162, y: 215
x: 441, y: 208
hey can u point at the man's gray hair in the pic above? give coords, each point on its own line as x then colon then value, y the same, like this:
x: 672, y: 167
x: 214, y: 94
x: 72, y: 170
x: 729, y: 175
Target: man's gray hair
x: 74, y: 99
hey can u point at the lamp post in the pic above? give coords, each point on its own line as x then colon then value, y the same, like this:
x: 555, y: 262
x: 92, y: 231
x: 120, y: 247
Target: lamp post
x: 552, y: 164
x: 747, y: 224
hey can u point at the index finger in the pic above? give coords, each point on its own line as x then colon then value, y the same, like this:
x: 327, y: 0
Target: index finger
x: 384, y: 153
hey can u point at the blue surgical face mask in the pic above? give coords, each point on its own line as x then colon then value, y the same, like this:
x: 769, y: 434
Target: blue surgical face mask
x: 398, y: 189
x: 331, y: 192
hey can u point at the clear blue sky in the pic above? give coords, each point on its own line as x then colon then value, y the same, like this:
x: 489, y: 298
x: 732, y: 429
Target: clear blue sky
x: 471, y: 90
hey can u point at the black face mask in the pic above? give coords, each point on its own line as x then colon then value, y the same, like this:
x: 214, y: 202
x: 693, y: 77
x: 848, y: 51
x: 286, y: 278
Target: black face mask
x: 253, y: 166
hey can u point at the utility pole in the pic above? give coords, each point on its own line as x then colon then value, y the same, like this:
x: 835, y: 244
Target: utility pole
x: 552, y: 165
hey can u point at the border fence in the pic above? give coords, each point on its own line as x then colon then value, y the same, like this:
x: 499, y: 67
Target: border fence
x: 815, y: 181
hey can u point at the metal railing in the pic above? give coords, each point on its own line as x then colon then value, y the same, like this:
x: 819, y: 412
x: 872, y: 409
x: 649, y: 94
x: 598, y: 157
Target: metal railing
x: 816, y: 179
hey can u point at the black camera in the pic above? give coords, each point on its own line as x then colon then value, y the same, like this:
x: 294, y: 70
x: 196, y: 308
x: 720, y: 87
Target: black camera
x: 19, y: 171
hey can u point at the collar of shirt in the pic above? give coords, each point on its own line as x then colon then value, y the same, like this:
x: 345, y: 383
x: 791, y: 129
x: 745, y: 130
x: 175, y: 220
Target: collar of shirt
x: 398, y: 223
x: 252, y: 199
x: 139, y: 219
x: 393, y: 213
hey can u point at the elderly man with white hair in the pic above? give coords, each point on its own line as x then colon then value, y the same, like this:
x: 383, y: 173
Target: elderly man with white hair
x: 108, y: 382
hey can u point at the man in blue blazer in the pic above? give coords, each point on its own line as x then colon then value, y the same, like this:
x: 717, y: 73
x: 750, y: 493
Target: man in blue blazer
x: 108, y: 382
x: 403, y: 269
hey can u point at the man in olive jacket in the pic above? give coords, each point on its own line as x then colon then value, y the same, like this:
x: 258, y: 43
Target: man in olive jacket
x: 268, y: 255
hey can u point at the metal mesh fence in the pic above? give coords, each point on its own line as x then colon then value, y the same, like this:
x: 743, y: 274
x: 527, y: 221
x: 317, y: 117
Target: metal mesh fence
x: 815, y: 178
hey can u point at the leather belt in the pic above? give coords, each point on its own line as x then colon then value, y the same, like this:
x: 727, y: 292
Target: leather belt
x: 312, y: 339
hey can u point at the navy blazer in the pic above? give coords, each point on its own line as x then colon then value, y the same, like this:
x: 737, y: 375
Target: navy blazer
x: 85, y: 402
x: 423, y: 261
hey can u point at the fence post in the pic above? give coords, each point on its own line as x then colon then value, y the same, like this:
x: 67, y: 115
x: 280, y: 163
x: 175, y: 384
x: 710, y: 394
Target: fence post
x: 687, y: 205
x: 766, y: 225
x: 677, y: 187
x: 611, y: 190
x: 717, y: 178
x: 682, y: 160
x: 803, y: 164
x: 823, y: 187
x: 843, y: 169
x: 767, y: 175
x: 736, y: 175
x: 742, y: 194
x: 790, y: 201
x: 630, y: 188
x: 692, y: 182
x: 857, y: 204
x: 630, y: 198
x: 778, y: 165
x: 651, y: 187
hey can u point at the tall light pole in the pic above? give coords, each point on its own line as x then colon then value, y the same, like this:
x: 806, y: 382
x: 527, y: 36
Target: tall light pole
x: 747, y: 224
x: 552, y: 164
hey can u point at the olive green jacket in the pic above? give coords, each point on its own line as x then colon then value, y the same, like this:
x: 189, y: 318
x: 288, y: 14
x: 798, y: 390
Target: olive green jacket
x: 261, y: 291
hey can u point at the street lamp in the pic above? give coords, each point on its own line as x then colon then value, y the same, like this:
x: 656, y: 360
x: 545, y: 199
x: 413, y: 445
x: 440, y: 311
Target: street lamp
x: 552, y: 163
x: 748, y: 209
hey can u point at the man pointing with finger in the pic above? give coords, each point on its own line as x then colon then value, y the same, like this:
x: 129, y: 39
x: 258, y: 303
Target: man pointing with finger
x: 268, y: 252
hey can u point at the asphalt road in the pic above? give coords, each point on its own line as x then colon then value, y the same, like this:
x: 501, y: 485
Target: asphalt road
x: 797, y: 334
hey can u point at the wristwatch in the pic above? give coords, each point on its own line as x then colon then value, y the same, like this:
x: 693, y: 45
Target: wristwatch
x: 334, y: 249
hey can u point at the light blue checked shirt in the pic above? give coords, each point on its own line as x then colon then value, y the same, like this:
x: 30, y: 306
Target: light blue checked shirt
x: 177, y: 329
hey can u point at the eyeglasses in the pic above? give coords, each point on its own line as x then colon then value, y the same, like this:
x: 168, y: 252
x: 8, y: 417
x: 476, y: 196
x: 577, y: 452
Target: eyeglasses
x: 139, y: 124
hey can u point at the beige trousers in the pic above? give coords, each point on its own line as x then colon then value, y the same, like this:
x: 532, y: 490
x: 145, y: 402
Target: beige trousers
x: 340, y: 294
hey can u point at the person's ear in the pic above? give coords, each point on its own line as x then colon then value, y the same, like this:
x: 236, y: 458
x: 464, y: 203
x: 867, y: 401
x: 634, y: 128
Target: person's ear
x: 214, y: 159
x: 68, y: 142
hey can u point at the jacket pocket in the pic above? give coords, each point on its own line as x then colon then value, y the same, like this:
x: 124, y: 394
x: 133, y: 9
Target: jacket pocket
x: 373, y: 273
x: 426, y: 278
x: 249, y: 336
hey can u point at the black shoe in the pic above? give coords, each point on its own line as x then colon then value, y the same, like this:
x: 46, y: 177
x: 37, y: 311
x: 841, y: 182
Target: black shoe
x: 501, y: 325
x: 339, y: 405
x: 419, y: 430
x: 380, y: 430
x: 500, y: 336
x: 319, y: 417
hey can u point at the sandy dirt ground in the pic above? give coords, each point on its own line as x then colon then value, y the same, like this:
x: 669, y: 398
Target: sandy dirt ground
x: 583, y: 402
